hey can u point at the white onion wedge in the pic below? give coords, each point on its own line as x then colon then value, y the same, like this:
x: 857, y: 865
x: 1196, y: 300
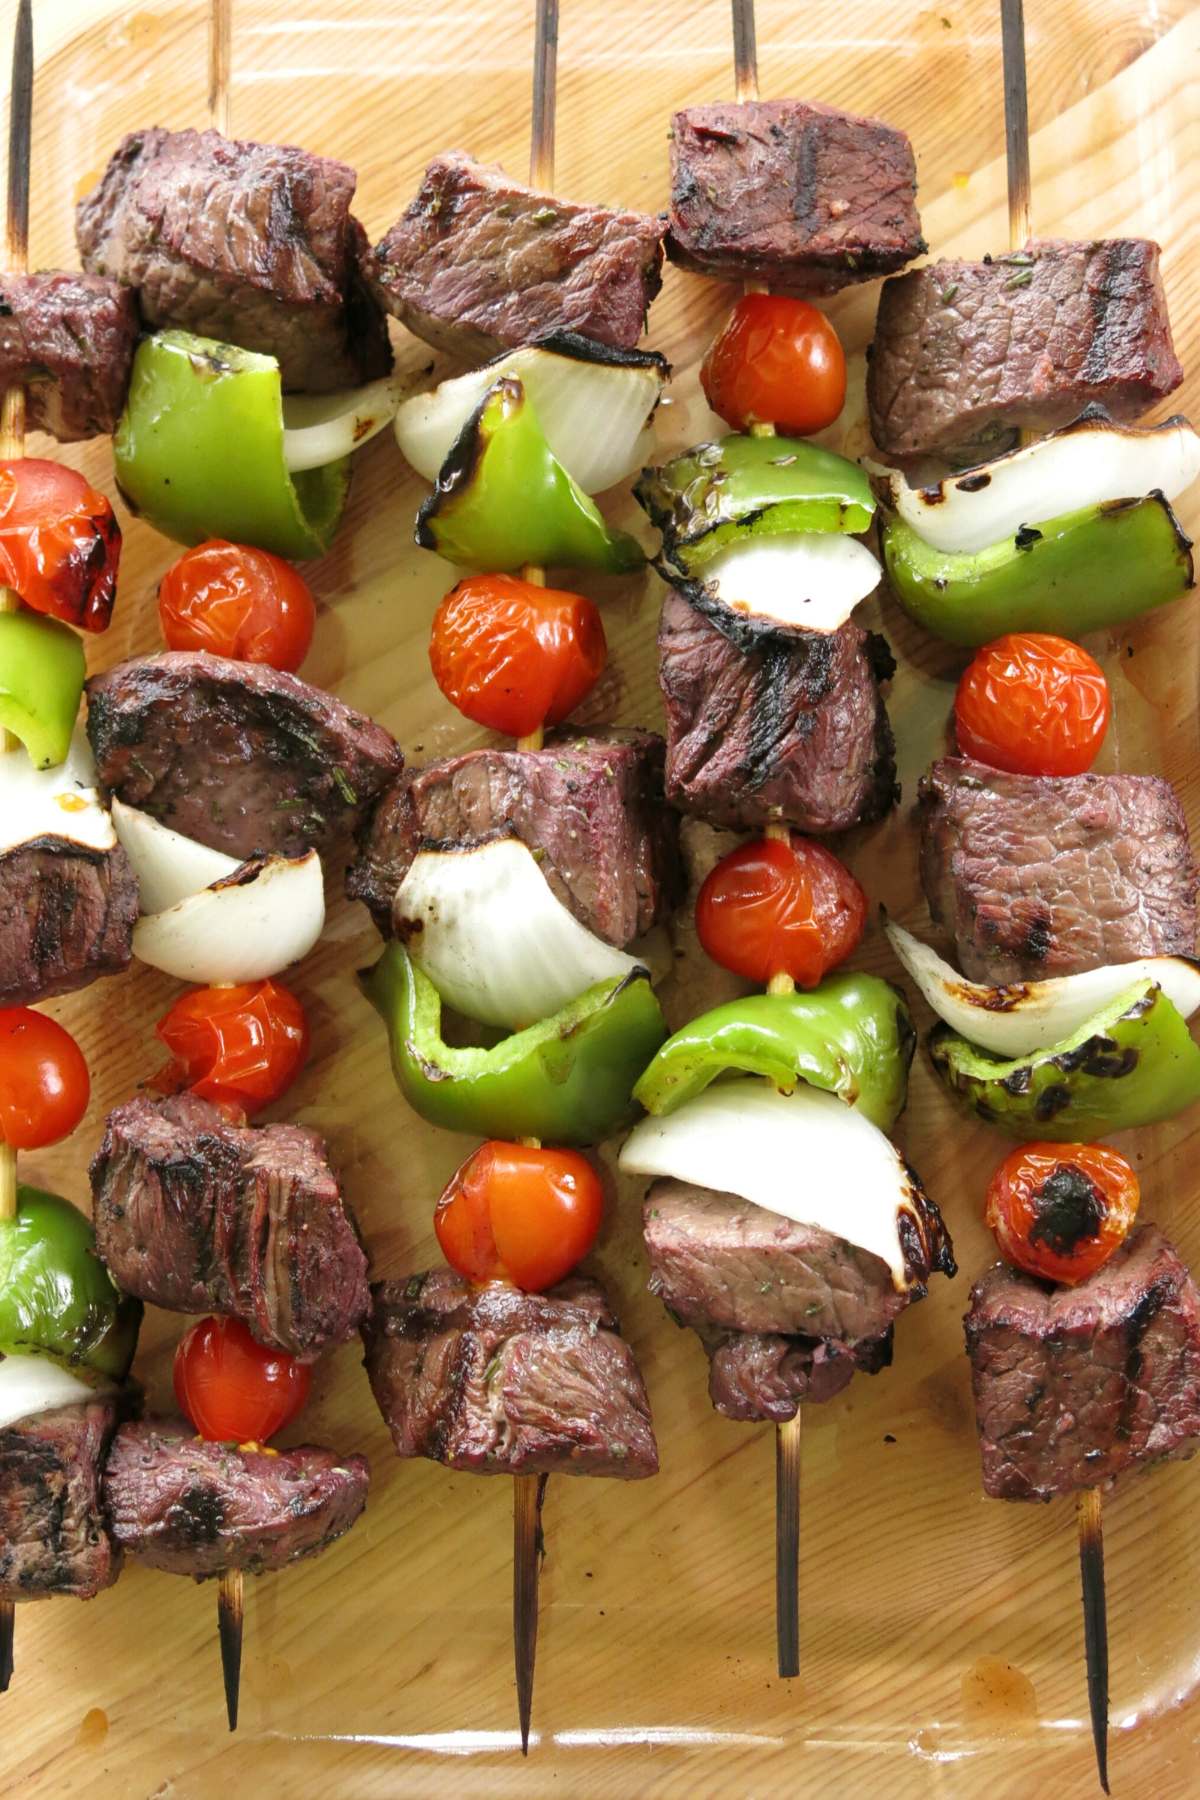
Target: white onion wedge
x: 810, y: 579
x: 63, y: 802
x: 321, y: 428
x: 483, y: 925
x: 806, y: 1156
x: 595, y: 414
x: 252, y: 924
x: 168, y: 865
x: 1027, y: 1016
x: 1082, y: 465
x: 30, y: 1385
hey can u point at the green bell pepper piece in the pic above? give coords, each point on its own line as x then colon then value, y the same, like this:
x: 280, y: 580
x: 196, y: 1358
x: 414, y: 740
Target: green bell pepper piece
x: 748, y: 487
x: 56, y: 1297
x: 568, y: 1079
x: 1132, y: 1063
x: 1081, y: 572
x: 42, y: 667
x: 503, y: 499
x: 199, y: 451
x: 852, y: 1036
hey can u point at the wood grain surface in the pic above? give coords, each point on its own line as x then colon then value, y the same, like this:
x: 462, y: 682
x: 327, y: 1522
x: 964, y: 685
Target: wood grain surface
x: 941, y: 1647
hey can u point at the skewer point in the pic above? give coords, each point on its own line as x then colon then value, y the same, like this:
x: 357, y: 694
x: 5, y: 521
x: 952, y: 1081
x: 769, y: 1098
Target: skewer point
x: 1095, y: 1623
x: 7, y: 1620
x: 229, y: 1630
x: 529, y: 1495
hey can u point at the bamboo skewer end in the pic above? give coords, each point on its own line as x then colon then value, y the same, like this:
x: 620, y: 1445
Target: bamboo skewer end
x: 529, y: 1494
x: 8, y: 1182
x: 230, y: 1613
x: 7, y: 1620
x: 1095, y: 1622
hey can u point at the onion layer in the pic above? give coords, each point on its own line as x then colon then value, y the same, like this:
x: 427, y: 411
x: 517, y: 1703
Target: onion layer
x: 322, y: 428
x: 810, y: 580
x: 256, y: 922
x: 30, y: 1385
x: 483, y: 925
x: 1027, y: 1016
x: 62, y: 802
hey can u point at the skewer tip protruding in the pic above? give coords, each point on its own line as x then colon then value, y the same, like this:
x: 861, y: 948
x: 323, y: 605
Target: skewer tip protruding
x: 229, y: 1629
x: 529, y: 1493
x: 545, y: 72
x: 787, y: 1545
x: 1095, y: 1623
x: 745, y: 51
x: 1016, y: 121
x: 7, y: 1620
x: 20, y: 131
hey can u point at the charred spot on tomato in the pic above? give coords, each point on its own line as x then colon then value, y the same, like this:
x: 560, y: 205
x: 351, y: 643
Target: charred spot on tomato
x: 1066, y: 1208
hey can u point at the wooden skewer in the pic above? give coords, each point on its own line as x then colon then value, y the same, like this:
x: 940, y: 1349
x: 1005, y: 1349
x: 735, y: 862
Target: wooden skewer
x: 12, y: 443
x: 529, y: 1491
x: 787, y: 1435
x: 1089, y: 1515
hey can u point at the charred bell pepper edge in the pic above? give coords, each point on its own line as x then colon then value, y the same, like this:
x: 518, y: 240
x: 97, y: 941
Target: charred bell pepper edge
x: 1133, y: 1063
x: 57, y: 1299
x: 42, y: 669
x: 503, y: 500
x: 1084, y: 571
x: 198, y: 451
x: 568, y: 1079
x: 852, y: 1036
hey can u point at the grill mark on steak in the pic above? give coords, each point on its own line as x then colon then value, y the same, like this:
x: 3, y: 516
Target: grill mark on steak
x: 67, y: 913
x: 244, y: 758
x: 198, y: 1215
x: 495, y: 1381
x: 68, y: 339
x: 1038, y: 876
x: 54, y: 1538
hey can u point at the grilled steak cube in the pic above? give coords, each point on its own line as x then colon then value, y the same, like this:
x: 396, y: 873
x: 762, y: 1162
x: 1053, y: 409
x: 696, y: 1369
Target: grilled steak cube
x: 1039, y: 875
x: 189, y: 1507
x: 67, y: 914
x: 54, y: 1538
x: 244, y: 758
x: 965, y: 353
x: 1075, y: 1385
x: 252, y: 244
x: 498, y: 1382
x: 480, y: 263
x: 197, y: 1215
x: 68, y: 339
x: 791, y: 727
x: 720, y: 1261
x: 765, y: 1375
x: 788, y: 192
x: 592, y: 807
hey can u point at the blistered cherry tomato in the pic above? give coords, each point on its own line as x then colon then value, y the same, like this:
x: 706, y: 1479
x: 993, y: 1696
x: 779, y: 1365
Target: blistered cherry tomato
x: 44, y: 1084
x: 520, y: 1214
x: 1034, y: 705
x: 239, y: 602
x: 776, y: 908
x: 514, y: 656
x: 775, y: 361
x: 236, y: 1046
x: 234, y: 1389
x: 60, y: 544
x: 1060, y: 1210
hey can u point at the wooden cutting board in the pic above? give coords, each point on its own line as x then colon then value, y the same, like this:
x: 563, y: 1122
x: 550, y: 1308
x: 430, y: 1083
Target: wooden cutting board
x: 941, y: 1633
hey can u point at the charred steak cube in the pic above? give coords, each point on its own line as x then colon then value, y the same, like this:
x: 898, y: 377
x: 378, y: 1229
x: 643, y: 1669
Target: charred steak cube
x: 965, y: 353
x: 788, y: 728
x: 244, y: 758
x: 54, y: 1537
x: 1075, y: 1385
x: 68, y: 340
x: 197, y: 1215
x: 252, y: 244
x: 720, y: 1261
x: 498, y: 1382
x: 190, y: 1507
x: 1040, y: 875
x: 592, y: 808
x: 67, y: 914
x: 479, y: 263
x: 788, y: 192
x: 766, y: 1375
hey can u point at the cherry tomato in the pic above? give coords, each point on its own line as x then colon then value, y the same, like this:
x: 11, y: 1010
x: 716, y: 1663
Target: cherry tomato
x: 775, y: 361
x: 1060, y: 1210
x: 44, y: 1084
x: 771, y: 908
x: 520, y: 1214
x: 514, y: 656
x: 234, y: 1389
x: 1034, y: 705
x: 240, y: 1046
x: 60, y: 543
x: 238, y: 602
